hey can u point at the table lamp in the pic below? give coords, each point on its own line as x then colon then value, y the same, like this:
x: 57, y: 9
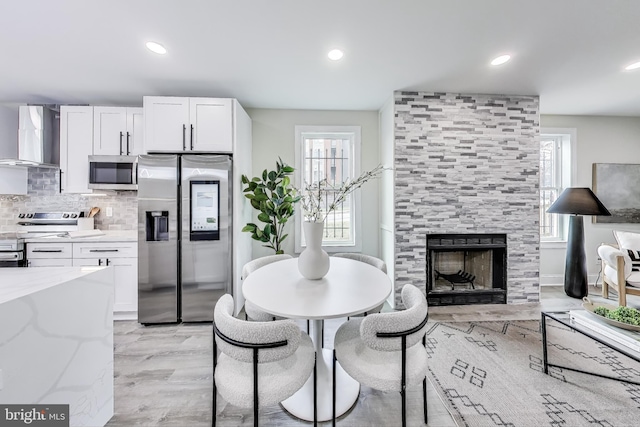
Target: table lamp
x: 577, y: 202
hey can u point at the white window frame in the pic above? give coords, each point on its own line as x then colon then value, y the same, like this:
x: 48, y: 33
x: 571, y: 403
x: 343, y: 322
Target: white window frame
x: 354, y: 132
x: 567, y: 173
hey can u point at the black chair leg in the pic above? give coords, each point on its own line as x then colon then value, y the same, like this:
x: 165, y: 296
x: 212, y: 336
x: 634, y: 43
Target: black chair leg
x: 404, y: 408
x: 215, y: 391
x: 315, y: 391
x: 333, y: 389
x: 424, y: 385
x: 424, y: 399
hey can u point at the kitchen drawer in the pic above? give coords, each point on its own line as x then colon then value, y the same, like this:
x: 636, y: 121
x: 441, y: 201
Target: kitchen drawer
x: 49, y: 250
x: 105, y: 250
x: 50, y: 262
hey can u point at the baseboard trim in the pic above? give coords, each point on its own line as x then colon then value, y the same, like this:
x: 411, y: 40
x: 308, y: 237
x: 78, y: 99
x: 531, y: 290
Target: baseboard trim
x: 558, y: 279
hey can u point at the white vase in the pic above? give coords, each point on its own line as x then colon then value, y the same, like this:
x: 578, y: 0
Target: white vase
x: 313, y: 262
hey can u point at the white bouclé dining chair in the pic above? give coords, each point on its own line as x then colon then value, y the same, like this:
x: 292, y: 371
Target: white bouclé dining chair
x: 260, y: 363
x: 371, y: 260
x: 251, y: 311
x: 386, y: 351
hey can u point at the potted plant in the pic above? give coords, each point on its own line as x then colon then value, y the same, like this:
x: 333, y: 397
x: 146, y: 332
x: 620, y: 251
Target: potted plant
x: 274, y: 197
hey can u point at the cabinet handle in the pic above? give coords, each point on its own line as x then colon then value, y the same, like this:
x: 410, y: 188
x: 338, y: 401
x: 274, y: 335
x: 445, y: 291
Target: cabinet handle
x: 99, y: 262
x: 103, y: 250
x: 191, y: 139
x: 128, y: 152
x: 107, y: 261
x: 121, y: 143
x: 184, y: 137
x: 60, y: 183
x: 49, y: 251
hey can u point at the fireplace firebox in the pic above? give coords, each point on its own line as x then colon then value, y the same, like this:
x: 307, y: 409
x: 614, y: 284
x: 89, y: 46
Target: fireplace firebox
x: 466, y: 269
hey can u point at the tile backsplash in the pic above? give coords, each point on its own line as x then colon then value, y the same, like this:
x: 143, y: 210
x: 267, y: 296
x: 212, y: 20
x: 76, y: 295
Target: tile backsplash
x: 43, y: 196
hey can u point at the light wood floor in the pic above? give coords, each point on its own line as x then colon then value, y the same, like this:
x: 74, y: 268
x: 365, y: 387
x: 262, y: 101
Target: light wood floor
x: 163, y: 373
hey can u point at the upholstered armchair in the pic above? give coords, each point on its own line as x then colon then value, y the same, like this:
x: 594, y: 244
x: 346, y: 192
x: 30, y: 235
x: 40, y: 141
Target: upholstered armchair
x: 618, y: 273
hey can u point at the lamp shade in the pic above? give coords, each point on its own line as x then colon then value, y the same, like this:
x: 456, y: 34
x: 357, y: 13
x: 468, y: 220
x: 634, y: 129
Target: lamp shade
x: 578, y: 201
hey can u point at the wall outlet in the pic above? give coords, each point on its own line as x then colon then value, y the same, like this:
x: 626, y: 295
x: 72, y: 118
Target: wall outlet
x: 109, y: 211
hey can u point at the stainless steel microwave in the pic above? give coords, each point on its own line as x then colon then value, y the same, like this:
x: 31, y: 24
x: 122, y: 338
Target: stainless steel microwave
x: 113, y: 172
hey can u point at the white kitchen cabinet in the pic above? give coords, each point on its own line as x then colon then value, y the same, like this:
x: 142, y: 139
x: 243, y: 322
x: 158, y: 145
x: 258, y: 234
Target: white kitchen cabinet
x: 188, y: 124
x: 50, y: 262
x: 126, y: 280
x: 76, y: 145
x: 49, y: 254
x: 123, y: 257
x: 118, y: 131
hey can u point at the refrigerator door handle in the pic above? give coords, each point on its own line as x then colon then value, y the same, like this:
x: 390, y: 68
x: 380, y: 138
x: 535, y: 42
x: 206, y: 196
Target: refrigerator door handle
x: 184, y: 137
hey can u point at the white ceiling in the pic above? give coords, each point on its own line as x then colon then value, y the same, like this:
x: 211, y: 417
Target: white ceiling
x: 272, y: 53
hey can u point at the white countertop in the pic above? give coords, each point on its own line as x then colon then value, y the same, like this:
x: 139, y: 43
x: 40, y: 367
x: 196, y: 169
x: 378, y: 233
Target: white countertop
x: 18, y: 282
x: 107, y: 236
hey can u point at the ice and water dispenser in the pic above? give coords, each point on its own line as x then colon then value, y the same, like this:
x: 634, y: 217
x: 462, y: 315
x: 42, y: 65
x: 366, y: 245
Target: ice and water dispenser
x: 157, y: 226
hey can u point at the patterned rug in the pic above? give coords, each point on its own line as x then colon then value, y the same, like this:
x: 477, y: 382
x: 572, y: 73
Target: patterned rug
x: 491, y: 374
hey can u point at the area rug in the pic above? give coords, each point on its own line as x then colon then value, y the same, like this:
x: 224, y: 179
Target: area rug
x: 491, y: 374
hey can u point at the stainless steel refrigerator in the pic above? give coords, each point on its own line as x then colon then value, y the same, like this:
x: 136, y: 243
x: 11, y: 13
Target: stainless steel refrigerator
x: 184, y: 236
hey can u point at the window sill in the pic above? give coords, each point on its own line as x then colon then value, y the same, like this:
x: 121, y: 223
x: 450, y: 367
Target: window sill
x: 553, y: 244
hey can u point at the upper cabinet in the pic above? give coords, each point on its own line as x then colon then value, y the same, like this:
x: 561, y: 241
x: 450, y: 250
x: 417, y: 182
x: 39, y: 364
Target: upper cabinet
x: 76, y: 145
x: 118, y: 131
x: 174, y: 124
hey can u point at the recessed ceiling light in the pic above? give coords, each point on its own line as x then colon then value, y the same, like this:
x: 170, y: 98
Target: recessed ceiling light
x: 335, y: 54
x: 501, y: 60
x: 633, y: 66
x: 156, y: 48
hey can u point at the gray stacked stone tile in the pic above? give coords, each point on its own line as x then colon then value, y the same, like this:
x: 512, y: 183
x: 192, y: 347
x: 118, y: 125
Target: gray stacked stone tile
x: 467, y: 164
x: 43, y: 196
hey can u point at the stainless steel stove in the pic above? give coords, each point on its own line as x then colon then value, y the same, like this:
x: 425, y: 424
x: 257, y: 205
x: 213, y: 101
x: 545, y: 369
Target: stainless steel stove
x: 12, y: 250
x: 48, y: 222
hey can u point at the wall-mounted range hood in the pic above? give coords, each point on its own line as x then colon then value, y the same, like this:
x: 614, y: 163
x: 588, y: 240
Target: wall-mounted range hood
x: 38, y: 137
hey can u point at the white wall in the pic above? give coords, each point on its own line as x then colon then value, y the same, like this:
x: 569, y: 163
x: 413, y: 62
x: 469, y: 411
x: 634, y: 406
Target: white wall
x: 600, y: 139
x: 8, y: 132
x: 274, y: 136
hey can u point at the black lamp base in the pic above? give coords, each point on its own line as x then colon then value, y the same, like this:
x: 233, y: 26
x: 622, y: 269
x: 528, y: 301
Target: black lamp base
x: 576, y: 284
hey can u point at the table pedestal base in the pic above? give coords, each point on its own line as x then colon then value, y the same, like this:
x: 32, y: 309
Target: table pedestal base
x: 300, y: 404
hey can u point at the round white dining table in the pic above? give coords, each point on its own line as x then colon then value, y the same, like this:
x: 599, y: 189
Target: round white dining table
x: 350, y: 287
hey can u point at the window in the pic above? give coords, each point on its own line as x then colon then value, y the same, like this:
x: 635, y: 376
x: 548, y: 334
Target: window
x: 556, y: 160
x: 331, y: 153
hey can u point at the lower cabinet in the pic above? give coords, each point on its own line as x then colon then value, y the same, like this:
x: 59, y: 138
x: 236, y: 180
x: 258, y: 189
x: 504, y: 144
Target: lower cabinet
x: 121, y: 255
x: 49, y: 254
x: 51, y: 262
x: 126, y: 286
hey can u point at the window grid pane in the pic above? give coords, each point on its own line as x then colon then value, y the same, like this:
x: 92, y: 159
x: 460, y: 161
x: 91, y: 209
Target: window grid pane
x: 328, y: 158
x: 550, y: 184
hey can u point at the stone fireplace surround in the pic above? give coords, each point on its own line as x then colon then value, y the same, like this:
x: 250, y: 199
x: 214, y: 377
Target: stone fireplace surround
x: 466, y: 164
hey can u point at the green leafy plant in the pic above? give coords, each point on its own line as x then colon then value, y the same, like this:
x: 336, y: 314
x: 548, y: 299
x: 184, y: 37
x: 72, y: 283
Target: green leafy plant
x: 273, y: 195
x: 621, y: 314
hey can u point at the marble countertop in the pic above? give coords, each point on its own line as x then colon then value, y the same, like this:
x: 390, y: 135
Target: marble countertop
x: 18, y: 282
x: 106, y: 236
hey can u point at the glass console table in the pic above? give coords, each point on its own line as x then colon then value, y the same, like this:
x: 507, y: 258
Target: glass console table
x: 564, y: 318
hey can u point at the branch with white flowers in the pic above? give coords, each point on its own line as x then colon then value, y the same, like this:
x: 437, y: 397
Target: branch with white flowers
x: 314, y: 197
